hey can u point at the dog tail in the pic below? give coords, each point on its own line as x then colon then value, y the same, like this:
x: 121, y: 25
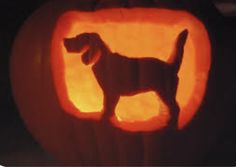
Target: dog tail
x: 179, y: 50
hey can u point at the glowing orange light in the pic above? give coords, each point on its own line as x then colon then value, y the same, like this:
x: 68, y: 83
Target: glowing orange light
x: 135, y: 33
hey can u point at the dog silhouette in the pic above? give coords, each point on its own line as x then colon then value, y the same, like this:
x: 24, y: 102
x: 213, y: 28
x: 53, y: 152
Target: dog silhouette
x: 119, y: 75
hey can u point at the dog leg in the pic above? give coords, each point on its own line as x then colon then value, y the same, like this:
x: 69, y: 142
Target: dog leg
x: 174, y: 110
x: 109, y: 105
x: 168, y: 96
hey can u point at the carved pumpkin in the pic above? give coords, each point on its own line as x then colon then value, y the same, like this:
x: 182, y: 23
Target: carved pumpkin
x: 63, y: 102
x: 82, y: 96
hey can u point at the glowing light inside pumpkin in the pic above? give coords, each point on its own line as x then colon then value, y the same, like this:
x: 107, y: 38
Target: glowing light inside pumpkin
x: 133, y: 113
x: 133, y: 33
x: 88, y: 88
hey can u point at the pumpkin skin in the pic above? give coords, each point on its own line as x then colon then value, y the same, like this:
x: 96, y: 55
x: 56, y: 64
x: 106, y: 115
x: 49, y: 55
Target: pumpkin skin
x: 69, y: 139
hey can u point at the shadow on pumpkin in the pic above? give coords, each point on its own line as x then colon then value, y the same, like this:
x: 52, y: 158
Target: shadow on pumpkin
x: 119, y: 75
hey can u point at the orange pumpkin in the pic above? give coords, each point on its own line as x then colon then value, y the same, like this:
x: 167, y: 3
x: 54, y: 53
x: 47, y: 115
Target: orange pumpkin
x: 61, y: 100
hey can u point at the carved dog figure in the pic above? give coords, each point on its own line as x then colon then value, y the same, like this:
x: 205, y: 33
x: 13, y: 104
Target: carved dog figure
x: 119, y: 75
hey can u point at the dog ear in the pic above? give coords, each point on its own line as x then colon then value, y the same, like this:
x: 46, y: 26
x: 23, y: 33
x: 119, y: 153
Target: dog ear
x: 85, y: 58
x: 88, y: 56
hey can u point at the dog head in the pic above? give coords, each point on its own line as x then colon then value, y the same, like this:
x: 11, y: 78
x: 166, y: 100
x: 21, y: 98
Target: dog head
x: 88, y: 43
x: 77, y: 43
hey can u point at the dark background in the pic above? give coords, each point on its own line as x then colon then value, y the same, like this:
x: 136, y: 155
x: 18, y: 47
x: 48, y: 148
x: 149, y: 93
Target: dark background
x: 17, y: 146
